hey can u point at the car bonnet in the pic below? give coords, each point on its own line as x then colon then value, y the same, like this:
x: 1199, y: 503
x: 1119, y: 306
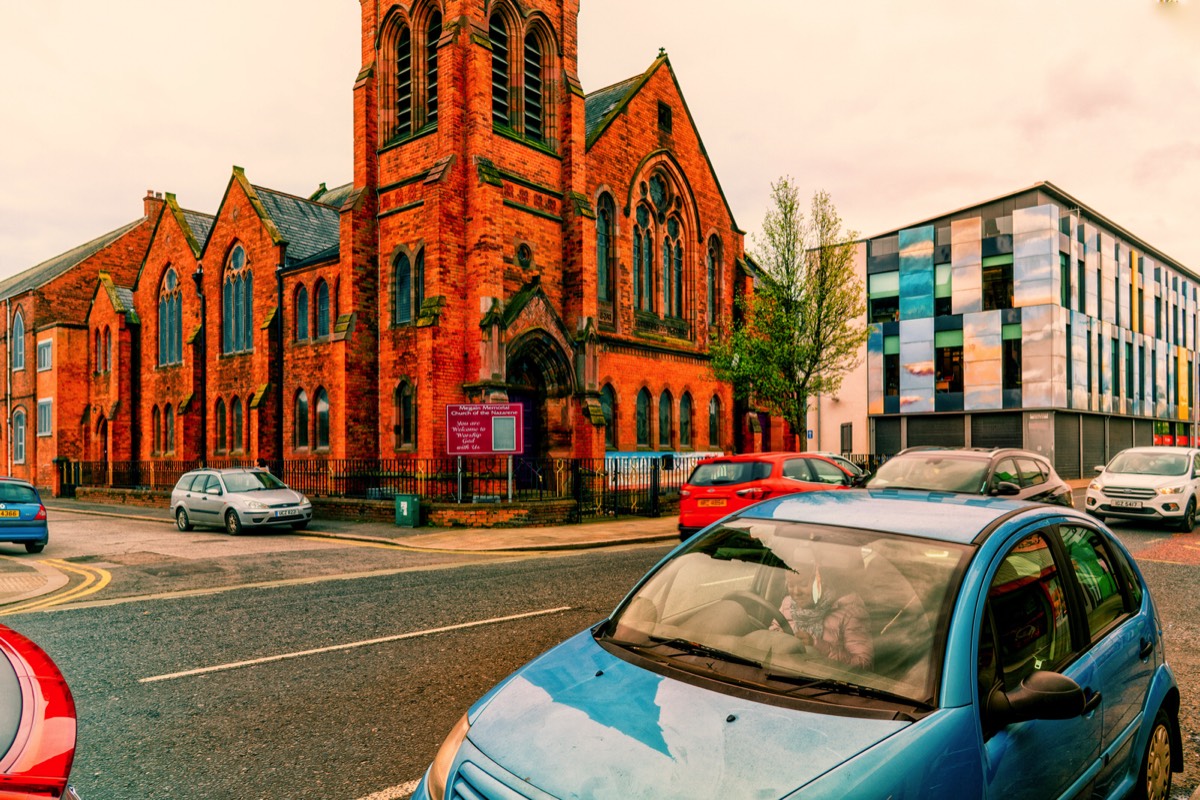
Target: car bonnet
x: 272, y: 497
x: 580, y: 722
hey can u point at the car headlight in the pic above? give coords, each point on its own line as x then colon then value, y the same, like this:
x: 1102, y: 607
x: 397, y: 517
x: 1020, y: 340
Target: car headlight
x: 303, y: 500
x: 1095, y: 486
x: 439, y: 770
x: 1171, y: 489
x: 255, y: 504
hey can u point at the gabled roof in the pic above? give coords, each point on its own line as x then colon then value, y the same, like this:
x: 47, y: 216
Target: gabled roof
x: 121, y: 297
x: 200, y: 223
x: 47, y: 271
x: 310, y: 229
x: 602, y: 104
x: 335, y: 197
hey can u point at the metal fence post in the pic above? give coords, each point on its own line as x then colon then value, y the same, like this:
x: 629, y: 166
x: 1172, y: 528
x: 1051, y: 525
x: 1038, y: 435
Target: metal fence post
x: 655, y: 476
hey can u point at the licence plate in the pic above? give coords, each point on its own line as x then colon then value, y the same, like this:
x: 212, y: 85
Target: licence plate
x: 288, y: 512
x: 10, y: 512
x: 711, y: 503
x: 1127, y: 503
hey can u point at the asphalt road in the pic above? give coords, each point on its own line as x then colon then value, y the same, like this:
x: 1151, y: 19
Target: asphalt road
x: 281, y: 666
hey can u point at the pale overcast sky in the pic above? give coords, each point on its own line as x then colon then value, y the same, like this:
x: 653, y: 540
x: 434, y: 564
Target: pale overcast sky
x: 900, y: 110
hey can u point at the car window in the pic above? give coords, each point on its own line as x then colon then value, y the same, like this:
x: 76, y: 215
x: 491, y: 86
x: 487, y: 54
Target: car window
x: 1006, y: 471
x: 933, y: 471
x: 185, y: 483
x: 1031, y: 473
x: 1149, y: 463
x: 251, y: 481
x: 798, y: 469
x: 826, y: 472
x: 1196, y: 464
x: 16, y: 493
x: 725, y: 473
x: 1097, y: 576
x: 212, y: 485
x: 1029, y: 607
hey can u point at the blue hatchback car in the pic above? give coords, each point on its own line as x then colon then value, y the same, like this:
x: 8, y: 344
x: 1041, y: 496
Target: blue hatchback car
x: 829, y: 645
x: 22, y: 515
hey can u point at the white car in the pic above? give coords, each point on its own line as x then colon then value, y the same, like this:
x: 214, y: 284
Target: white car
x: 1148, y: 483
x: 237, y: 499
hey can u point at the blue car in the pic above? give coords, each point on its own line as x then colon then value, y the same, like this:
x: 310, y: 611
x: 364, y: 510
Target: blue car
x: 861, y: 644
x: 22, y: 515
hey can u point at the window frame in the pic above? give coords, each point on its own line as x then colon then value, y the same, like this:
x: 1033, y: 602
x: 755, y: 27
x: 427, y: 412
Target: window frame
x: 45, y: 408
x: 17, y: 342
x: 300, y: 313
x: 18, y: 429
x: 300, y: 421
x: 45, y: 346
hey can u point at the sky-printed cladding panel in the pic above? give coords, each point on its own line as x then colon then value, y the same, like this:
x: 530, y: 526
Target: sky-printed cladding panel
x: 916, y: 273
x: 966, y: 262
x: 916, y: 365
x: 983, y: 375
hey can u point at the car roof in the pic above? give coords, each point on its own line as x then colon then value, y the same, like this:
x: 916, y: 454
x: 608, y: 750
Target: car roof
x: 969, y: 452
x: 21, y: 481
x: 773, y: 455
x: 1158, y: 449
x: 942, y: 516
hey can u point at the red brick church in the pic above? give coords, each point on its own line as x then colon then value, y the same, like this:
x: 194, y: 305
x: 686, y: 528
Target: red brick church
x: 506, y: 237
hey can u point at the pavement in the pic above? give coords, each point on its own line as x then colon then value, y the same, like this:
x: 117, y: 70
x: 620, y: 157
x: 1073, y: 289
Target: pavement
x: 599, y: 533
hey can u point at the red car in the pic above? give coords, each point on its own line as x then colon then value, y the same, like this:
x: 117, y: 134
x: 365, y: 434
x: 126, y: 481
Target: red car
x: 722, y: 485
x: 37, y: 723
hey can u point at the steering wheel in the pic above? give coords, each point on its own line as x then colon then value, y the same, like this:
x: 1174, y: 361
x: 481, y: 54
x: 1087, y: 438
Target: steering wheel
x: 750, y: 601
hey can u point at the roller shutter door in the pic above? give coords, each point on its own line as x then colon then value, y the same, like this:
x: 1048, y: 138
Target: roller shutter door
x: 1066, y: 445
x: 940, y: 431
x: 1120, y: 435
x: 887, y: 436
x: 997, y: 430
x: 1093, y: 443
x: 1143, y: 433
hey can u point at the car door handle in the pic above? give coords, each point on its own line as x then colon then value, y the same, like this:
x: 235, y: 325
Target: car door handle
x: 1147, y: 648
x: 1091, y: 703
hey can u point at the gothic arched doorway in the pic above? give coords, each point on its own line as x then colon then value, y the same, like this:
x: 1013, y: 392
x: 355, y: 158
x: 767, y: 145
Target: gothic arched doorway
x: 540, y: 379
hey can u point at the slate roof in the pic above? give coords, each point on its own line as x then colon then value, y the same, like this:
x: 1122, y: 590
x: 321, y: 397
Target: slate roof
x: 602, y: 102
x: 47, y: 271
x: 310, y: 229
x: 201, y: 224
x: 335, y: 197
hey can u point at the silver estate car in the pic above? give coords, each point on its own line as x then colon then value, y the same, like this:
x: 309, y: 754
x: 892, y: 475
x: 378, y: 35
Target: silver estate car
x: 236, y: 499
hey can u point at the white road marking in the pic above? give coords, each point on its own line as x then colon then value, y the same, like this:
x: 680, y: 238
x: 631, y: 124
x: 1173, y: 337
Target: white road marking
x: 351, y: 645
x: 395, y: 792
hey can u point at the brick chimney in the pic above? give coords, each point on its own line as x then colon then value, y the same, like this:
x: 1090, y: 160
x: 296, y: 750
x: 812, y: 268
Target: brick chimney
x: 153, y: 203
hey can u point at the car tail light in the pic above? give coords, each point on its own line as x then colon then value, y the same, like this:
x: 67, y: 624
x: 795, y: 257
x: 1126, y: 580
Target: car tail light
x: 685, y: 492
x: 38, y: 763
x: 754, y: 493
x: 41, y: 512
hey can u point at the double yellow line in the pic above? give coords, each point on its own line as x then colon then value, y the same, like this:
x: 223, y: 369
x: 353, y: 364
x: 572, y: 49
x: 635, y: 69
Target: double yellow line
x: 93, y: 580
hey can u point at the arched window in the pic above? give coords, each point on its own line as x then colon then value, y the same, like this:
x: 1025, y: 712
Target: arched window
x: 18, y: 436
x: 608, y: 404
x: 403, y: 312
x: 156, y: 426
x: 322, y: 420
x: 672, y: 274
x: 664, y: 420
x: 107, y: 349
x: 501, y: 70
x: 418, y: 284
x: 99, y: 354
x: 605, y: 217
x: 18, y: 341
x: 170, y: 320
x: 714, y: 423
x: 322, y: 310
x: 301, y: 314
x: 300, y: 422
x: 715, y: 273
x: 535, y: 127
x: 220, y: 442
x: 433, y: 32
x: 404, y: 83
x: 235, y: 413
x: 643, y: 260
x: 685, y: 420
x: 643, y: 418
x: 237, y: 309
x: 406, y: 416
x: 169, y: 429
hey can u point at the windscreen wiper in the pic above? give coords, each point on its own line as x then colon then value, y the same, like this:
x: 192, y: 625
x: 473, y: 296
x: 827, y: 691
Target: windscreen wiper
x: 698, y: 649
x: 814, y: 687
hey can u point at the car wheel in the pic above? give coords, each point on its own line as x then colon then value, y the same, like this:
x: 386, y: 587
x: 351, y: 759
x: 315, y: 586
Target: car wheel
x: 181, y: 520
x: 1188, y: 521
x: 32, y: 547
x: 299, y: 526
x: 233, y: 523
x: 1154, y: 778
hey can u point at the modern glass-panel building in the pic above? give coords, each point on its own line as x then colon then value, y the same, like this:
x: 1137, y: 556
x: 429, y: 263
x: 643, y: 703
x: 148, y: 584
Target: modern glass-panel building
x: 1029, y: 321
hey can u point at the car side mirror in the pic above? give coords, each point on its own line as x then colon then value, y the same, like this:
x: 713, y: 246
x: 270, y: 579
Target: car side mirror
x: 1099, y: 468
x: 1042, y: 695
x: 1006, y: 488
x: 858, y: 480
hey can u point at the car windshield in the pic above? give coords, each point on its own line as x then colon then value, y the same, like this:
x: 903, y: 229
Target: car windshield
x: 724, y: 473
x: 741, y: 602
x: 933, y: 472
x: 1150, y: 463
x: 251, y: 481
x: 16, y: 493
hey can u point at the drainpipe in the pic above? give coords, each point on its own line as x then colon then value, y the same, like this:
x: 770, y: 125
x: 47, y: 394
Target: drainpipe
x: 278, y: 366
x: 8, y: 379
x: 202, y: 355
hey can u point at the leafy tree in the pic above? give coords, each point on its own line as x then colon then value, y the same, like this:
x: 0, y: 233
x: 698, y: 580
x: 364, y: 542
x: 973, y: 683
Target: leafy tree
x: 802, y: 328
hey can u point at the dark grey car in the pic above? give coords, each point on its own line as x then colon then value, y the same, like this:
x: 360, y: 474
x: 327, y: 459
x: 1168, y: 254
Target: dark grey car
x: 237, y: 499
x: 1020, y: 474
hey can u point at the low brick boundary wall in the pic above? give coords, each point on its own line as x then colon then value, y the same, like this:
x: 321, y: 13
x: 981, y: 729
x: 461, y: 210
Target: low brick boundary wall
x: 440, y: 515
